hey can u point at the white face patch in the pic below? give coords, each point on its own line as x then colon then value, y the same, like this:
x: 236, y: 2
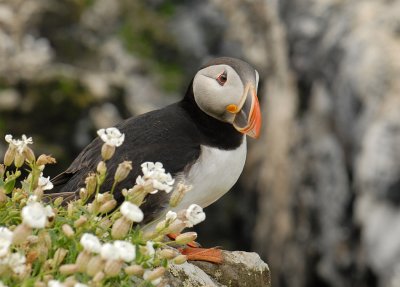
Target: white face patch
x: 212, y: 97
x: 213, y: 175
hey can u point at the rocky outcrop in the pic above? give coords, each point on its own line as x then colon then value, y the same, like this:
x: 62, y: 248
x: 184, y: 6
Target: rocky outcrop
x: 238, y: 269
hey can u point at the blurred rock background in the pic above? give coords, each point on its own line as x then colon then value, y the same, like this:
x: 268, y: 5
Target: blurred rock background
x: 320, y: 196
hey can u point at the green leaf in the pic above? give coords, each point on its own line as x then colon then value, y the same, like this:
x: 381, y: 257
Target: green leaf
x: 9, y: 186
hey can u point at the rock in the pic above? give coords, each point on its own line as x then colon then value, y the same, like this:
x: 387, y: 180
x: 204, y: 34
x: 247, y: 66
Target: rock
x: 239, y: 269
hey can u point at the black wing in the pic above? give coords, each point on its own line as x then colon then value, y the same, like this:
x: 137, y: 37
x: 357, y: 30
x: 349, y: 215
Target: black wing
x: 167, y: 135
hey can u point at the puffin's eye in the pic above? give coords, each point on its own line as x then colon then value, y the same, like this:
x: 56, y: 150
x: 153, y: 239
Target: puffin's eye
x: 221, y: 79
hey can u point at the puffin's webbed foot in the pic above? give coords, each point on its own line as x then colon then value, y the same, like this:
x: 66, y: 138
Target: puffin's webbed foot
x: 213, y: 255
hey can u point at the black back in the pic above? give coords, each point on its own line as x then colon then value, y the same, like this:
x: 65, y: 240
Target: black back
x: 172, y: 135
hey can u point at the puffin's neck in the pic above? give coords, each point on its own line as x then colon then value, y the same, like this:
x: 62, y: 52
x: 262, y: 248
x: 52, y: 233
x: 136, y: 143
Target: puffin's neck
x: 214, y: 132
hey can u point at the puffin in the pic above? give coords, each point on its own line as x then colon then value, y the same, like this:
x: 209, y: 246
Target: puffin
x: 200, y: 140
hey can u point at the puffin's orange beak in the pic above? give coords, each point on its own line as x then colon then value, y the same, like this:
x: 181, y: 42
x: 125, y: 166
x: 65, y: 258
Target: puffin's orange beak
x: 248, y: 118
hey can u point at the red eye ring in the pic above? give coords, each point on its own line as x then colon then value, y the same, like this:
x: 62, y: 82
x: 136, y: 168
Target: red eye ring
x: 222, y: 78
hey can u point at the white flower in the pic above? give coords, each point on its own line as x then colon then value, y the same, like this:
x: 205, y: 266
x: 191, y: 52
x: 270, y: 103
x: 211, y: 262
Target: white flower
x: 194, y: 215
x: 35, y: 215
x: 16, y: 262
x: 18, y: 144
x: 156, y: 173
x: 12, y: 142
x: 90, y: 243
x: 111, y: 136
x: 150, y: 248
x: 171, y: 216
x: 55, y: 283
x: 131, y: 211
x: 148, y: 168
x: 5, y: 240
x: 127, y: 251
x: 140, y: 180
x: 44, y: 182
x: 109, y: 252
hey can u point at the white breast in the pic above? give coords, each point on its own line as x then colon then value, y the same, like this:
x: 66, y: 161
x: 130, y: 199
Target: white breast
x: 213, y: 174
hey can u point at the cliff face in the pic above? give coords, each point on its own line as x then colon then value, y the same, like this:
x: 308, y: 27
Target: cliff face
x: 329, y: 178
x: 327, y: 165
x: 319, y: 198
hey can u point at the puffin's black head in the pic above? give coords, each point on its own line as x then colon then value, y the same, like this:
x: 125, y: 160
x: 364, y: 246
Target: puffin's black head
x: 226, y: 89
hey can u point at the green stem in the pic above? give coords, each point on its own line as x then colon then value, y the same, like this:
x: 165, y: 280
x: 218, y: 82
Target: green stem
x: 113, y: 187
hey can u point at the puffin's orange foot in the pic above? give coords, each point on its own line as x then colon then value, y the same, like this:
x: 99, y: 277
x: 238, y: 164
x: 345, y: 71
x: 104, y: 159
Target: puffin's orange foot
x: 212, y: 255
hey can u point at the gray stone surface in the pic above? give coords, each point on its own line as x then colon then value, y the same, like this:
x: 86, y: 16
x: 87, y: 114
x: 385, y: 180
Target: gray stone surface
x: 238, y: 269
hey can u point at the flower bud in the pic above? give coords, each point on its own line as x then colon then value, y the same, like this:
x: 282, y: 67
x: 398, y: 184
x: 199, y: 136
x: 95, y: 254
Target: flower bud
x: 108, y: 206
x: 112, y: 267
x: 96, y: 264
x: 154, y: 274
x: 70, y: 209
x: 101, y: 168
x: 19, y: 159
x: 180, y: 259
x: 98, y: 277
x: 9, y: 156
x: 178, y: 194
x: 105, y: 223
x: 122, y: 171
x: 29, y: 154
x: 161, y: 226
x: 3, y: 197
x: 91, y: 183
x: 38, y: 192
x: 93, y: 207
x: 32, y: 239
x: 176, y: 227
x: 138, y: 196
x: 45, y: 238
x: 107, y: 151
x: 83, y: 260
x: 18, y: 195
x: 185, y: 238
x: 83, y: 194
x: 68, y: 269
x: 67, y: 230
x: 168, y: 253
x: 80, y: 221
x: 2, y: 170
x: 148, y: 186
x: 45, y: 159
x: 21, y: 233
x: 136, y: 270
x: 120, y: 228
x: 59, y: 256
